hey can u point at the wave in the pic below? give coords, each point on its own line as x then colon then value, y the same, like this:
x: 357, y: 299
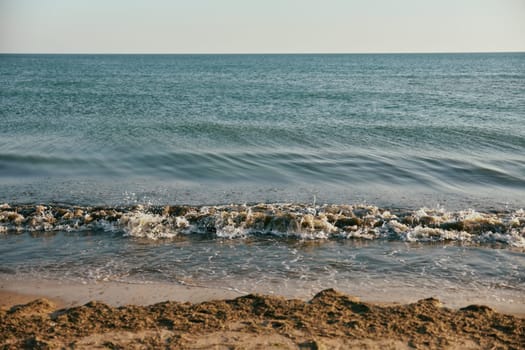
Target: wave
x: 291, y: 220
x: 279, y: 166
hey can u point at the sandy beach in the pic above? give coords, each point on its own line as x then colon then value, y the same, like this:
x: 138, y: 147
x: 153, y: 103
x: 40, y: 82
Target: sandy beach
x: 262, y: 175
x: 186, y: 317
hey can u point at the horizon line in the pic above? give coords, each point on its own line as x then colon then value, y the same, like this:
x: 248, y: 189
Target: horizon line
x: 265, y: 53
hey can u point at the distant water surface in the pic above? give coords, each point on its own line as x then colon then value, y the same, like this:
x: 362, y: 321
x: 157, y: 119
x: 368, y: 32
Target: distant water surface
x: 406, y: 130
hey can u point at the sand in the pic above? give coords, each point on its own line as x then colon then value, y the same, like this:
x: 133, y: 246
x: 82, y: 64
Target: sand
x: 74, y: 293
x: 329, y: 320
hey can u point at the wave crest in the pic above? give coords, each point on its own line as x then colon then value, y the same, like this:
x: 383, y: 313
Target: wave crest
x: 288, y: 220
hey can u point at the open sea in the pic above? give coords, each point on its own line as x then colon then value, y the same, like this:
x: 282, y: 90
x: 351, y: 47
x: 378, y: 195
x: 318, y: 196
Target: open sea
x: 271, y: 173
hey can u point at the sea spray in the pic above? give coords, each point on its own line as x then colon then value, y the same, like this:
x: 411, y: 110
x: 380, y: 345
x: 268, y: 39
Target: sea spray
x: 293, y: 220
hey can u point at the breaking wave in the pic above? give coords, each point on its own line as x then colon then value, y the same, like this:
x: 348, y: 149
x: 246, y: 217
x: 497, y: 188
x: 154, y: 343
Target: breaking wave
x: 286, y: 220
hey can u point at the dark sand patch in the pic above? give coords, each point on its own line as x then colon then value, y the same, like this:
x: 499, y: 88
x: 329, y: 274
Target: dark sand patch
x: 329, y: 320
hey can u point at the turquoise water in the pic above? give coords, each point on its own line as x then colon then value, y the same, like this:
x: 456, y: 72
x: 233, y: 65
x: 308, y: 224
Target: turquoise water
x: 396, y: 130
x: 421, y: 155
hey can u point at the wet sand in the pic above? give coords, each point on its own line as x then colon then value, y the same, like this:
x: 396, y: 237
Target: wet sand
x: 69, y: 293
x: 221, y: 319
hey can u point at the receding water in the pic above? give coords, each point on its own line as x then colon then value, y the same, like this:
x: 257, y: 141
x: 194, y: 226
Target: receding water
x: 271, y: 265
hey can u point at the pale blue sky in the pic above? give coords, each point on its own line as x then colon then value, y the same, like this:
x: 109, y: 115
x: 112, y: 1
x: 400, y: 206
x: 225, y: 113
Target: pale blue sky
x: 244, y: 26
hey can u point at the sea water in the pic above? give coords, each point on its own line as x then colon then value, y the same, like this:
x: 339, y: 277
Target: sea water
x: 276, y: 172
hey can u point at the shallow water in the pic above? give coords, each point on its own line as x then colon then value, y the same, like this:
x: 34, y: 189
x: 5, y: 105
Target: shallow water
x: 383, y: 270
x: 288, y: 249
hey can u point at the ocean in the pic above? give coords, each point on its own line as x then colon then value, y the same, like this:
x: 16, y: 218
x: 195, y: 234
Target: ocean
x: 370, y: 173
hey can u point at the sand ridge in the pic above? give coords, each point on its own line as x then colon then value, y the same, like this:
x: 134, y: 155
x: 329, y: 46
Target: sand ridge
x: 329, y: 320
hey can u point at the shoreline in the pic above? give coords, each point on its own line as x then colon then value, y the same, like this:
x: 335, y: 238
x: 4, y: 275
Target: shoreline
x: 328, y: 320
x: 71, y: 294
x: 66, y: 294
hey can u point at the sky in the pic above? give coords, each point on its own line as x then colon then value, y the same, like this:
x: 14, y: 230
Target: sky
x: 263, y: 26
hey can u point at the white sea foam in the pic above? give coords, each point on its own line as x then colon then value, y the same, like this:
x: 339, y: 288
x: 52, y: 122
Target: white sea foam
x: 152, y: 226
x: 283, y: 220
